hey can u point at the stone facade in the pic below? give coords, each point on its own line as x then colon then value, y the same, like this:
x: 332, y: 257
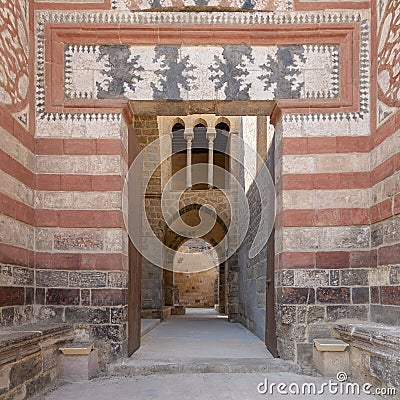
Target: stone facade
x: 17, y: 166
x: 29, y: 359
x: 330, y: 69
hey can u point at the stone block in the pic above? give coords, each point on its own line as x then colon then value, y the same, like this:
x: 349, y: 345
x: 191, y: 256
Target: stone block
x: 310, y: 314
x: 76, y: 368
x: 119, y: 315
x: 288, y: 278
x: 335, y: 312
x: 7, y: 315
x: 87, y: 279
x: 109, y: 297
x: 329, y: 363
x: 38, y: 385
x: 48, y: 278
x: 297, y: 296
x: 25, y: 370
x: 4, y: 378
x: 11, y: 296
x: 288, y: 314
x: 333, y: 295
x: 360, y: 295
x: 305, y: 353
x: 321, y: 331
x: 354, y: 277
x: 395, y: 275
x: 62, y: 297
x: 23, y: 276
x: 308, y: 278
x: 385, y: 370
x: 78, y: 240
x: 6, y: 275
x: 389, y: 315
x: 390, y: 295
x: 334, y: 278
x: 114, y: 333
x: 90, y: 315
x: 178, y: 310
x: 49, y: 313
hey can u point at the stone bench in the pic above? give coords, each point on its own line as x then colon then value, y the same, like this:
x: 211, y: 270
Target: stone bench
x: 374, y: 352
x: 29, y: 358
x: 330, y: 356
x: 78, y: 362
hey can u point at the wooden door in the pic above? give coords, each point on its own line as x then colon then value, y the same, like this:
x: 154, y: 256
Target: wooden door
x: 270, y: 322
x: 135, y: 258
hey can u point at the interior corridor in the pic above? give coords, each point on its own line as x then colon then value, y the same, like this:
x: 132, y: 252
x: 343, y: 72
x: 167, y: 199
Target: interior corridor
x: 200, y: 341
x: 201, y: 333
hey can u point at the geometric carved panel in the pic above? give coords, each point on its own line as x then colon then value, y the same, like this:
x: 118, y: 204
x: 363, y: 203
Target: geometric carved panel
x: 179, y: 72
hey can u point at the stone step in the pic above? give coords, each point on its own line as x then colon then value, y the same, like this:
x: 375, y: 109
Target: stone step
x: 133, y: 367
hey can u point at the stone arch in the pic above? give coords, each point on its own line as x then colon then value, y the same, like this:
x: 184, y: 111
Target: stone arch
x: 199, y: 121
x: 174, y: 241
x: 174, y: 122
x: 224, y: 120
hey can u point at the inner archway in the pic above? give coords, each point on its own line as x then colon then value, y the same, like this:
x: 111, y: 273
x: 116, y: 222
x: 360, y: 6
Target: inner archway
x: 196, y: 289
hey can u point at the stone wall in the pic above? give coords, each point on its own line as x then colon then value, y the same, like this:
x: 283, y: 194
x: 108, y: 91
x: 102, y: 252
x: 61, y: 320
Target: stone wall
x: 146, y: 130
x: 81, y: 243
x: 323, y: 232
x: 199, y: 289
x: 323, y: 223
x: 337, y: 238
x: 385, y: 168
x: 338, y: 231
x: 252, y: 274
x: 17, y: 165
x: 257, y: 134
x: 29, y: 359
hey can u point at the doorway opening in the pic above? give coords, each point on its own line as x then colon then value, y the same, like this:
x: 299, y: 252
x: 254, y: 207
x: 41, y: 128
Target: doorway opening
x: 235, y: 286
x: 198, y: 289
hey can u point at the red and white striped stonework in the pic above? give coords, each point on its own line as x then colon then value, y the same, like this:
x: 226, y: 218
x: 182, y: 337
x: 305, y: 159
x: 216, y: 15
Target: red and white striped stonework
x: 63, y: 245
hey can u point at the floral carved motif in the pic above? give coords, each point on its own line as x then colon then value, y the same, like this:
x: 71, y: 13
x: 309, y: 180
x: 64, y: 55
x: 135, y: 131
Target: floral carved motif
x: 14, y: 53
x: 389, y: 55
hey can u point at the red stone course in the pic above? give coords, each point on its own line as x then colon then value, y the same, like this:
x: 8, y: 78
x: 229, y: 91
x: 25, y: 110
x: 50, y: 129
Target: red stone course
x: 390, y: 295
x: 328, y: 259
x: 62, y: 297
x: 109, y: 297
x: 12, y: 296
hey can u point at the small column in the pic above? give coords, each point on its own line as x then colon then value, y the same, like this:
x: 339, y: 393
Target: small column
x: 188, y: 135
x: 211, y: 134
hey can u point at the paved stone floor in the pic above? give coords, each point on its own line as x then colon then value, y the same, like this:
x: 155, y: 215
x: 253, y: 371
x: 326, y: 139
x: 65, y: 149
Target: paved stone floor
x: 201, y: 333
x: 197, y: 356
x: 190, y: 387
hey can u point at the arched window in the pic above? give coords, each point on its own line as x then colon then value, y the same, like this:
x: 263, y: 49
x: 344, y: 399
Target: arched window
x: 179, y: 150
x: 203, y: 141
x: 221, y: 151
x: 200, y: 156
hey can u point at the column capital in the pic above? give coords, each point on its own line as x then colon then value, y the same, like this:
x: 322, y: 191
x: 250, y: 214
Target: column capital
x: 188, y: 134
x: 211, y: 134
